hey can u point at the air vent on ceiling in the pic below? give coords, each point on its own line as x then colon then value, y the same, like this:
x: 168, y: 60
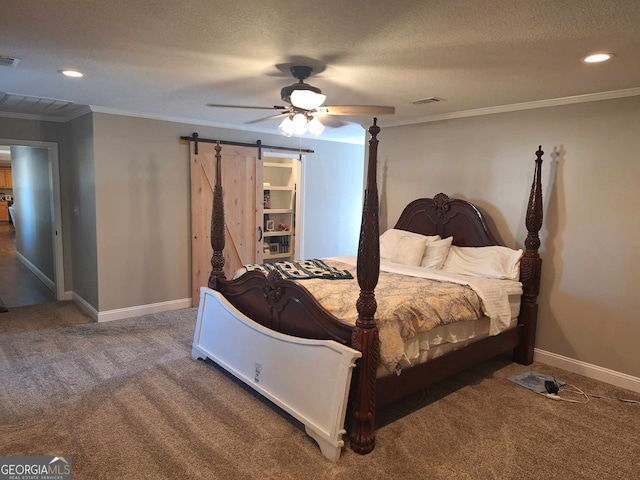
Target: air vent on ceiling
x: 16, y: 103
x: 428, y: 100
x: 8, y: 61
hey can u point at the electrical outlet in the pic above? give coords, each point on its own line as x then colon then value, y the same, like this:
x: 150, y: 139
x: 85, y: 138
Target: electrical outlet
x: 256, y: 377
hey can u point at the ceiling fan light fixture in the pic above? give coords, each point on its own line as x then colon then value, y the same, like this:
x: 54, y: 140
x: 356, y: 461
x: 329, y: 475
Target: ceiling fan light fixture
x: 315, y: 126
x: 307, y: 99
x: 286, y: 127
x: 299, y: 124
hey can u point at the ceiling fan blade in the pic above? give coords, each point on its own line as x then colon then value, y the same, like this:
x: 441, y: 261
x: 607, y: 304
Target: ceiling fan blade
x: 275, y: 107
x: 333, y: 122
x: 356, y: 110
x: 277, y: 115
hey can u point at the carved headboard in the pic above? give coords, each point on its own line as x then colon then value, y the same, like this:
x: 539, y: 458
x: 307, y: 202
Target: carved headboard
x: 446, y: 216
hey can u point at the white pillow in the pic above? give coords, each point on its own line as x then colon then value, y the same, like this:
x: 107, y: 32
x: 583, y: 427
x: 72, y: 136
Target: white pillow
x: 487, y: 262
x: 389, y: 241
x: 409, y: 250
x: 436, y: 253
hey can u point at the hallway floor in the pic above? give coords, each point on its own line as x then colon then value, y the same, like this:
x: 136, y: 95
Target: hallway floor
x: 18, y: 286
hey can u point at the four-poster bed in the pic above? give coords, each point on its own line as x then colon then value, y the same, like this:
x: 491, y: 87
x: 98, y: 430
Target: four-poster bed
x: 275, y: 336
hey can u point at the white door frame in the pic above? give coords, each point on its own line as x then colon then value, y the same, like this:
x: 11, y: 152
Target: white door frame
x: 56, y: 208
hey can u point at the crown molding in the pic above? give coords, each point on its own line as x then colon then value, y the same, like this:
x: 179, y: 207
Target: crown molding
x: 589, y: 97
x: 172, y: 118
x: 78, y: 113
x: 165, y: 118
x: 47, y: 118
x: 206, y: 123
x: 29, y: 116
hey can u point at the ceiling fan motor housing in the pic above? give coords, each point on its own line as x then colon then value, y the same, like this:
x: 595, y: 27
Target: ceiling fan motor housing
x: 300, y: 72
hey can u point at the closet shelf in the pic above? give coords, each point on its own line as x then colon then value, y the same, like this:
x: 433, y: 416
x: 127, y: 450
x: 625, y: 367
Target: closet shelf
x: 284, y: 189
x: 278, y: 165
x: 277, y: 210
x: 276, y: 255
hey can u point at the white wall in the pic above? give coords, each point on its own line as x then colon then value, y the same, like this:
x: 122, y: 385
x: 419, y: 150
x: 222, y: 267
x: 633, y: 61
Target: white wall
x: 333, y: 196
x: 589, y: 302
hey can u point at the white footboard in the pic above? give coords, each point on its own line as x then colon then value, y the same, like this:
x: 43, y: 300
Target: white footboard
x: 309, y: 379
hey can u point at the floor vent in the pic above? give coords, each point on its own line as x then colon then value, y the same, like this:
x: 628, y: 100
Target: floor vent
x: 8, y: 61
x: 428, y: 100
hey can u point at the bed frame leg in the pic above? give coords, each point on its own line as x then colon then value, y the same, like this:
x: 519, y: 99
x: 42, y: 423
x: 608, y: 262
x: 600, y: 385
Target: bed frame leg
x: 523, y: 353
x: 363, y: 432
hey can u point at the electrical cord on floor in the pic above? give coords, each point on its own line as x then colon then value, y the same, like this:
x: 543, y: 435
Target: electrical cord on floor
x: 625, y: 400
x: 554, y: 387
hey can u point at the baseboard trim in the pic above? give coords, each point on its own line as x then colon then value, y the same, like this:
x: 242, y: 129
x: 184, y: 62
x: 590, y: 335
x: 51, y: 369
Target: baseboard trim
x: 588, y: 370
x: 36, y: 271
x: 129, y: 312
x: 84, y: 306
x: 68, y: 295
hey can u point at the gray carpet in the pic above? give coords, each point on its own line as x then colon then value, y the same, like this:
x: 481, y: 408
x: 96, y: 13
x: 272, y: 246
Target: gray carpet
x: 42, y: 316
x: 125, y: 400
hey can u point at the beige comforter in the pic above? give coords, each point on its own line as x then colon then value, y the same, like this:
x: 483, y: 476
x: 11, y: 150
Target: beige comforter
x: 406, y: 306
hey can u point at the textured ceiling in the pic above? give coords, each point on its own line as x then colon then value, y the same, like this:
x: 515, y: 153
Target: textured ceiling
x: 171, y: 58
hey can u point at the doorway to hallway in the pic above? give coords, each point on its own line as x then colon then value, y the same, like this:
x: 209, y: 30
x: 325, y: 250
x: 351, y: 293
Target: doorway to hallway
x: 18, y: 286
x: 31, y: 248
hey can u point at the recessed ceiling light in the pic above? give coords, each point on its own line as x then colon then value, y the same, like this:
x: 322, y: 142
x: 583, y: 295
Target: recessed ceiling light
x: 72, y: 73
x: 598, y: 57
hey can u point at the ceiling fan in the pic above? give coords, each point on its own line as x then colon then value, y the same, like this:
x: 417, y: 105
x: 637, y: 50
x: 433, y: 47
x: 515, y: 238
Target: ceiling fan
x: 305, y: 107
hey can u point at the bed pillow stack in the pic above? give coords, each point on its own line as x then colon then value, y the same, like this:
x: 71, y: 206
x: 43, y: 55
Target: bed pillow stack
x: 410, y: 248
x: 488, y: 262
x: 437, y: 253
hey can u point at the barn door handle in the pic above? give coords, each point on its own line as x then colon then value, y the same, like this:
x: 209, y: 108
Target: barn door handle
x: 260, y: 234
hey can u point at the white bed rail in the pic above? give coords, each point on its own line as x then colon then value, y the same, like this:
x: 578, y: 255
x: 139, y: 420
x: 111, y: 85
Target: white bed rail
x: 309, y: 379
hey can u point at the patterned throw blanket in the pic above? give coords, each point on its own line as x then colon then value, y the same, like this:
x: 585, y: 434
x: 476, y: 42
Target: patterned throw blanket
x: 303, y: 269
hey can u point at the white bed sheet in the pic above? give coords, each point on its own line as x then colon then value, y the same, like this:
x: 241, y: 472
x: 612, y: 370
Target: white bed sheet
x: 494, y: 293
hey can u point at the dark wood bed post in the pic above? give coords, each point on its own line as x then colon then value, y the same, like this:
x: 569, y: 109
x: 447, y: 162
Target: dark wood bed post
x: 218, y: 226
x: 530, y: 268
x: 365, y: 334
